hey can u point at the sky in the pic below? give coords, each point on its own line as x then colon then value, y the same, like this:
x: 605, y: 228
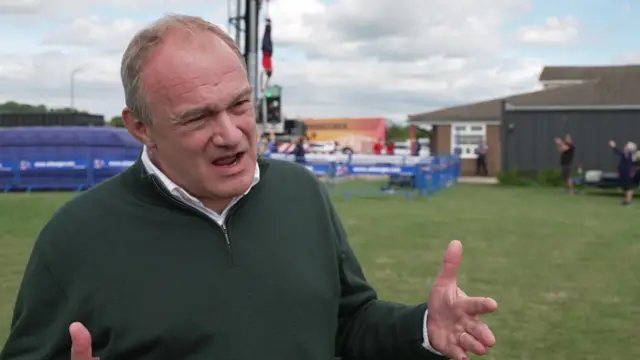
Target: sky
x: 333, y: 58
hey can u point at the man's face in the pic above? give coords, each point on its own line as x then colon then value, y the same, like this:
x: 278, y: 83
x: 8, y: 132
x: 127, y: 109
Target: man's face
x: 203, y: 134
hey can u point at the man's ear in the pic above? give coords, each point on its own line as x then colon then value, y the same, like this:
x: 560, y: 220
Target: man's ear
x: 137, y: 128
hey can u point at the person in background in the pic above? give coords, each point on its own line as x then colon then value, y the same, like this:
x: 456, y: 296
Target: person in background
x: 377, y: 147
x: 626, y: 168
x: 298, y: 151
x: 416, y: 148
x: 262, y: 145
x: 481, y: 160
x: 272, y: 145
x: 567, y: 150
x: 391, y: 148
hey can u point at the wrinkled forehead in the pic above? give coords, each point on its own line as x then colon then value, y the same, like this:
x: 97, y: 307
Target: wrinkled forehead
x: 191, y: 66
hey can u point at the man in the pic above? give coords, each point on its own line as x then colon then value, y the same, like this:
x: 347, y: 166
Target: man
x: 481, y: 160
x: 627, y: 172
x: 182, y: 256
x: 566, y: 149
x: 298, y: 151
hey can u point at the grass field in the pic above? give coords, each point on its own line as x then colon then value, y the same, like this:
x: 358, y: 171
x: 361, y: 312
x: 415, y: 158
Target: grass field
x: 565, y: 271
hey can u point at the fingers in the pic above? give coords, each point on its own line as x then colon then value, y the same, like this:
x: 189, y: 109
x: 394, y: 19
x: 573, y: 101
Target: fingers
x: 478, y: 305
x: 451, y: 263
x: 471, y: 344
x: 458, y: 353
x: 80, y: 342
x: 481, y: 332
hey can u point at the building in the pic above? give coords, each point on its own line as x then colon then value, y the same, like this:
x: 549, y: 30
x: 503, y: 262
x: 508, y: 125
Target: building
x: 519, y: 129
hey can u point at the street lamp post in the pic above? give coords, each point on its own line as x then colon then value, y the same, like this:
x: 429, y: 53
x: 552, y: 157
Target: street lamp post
x: 73, y: 86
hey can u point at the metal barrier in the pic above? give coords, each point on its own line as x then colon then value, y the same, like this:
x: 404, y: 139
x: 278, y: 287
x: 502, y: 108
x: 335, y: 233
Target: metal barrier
x: 423, y: 176
x: 59, y: 174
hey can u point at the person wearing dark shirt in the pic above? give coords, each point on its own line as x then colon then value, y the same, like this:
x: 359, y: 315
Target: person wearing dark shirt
x: 567, y: 150
x: 417, y: 148
x: 626, y: 169
x: 481, y: 160
x: 298, y: 151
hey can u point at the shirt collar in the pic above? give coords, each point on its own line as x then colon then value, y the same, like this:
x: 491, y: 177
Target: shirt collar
x: 172, y: 187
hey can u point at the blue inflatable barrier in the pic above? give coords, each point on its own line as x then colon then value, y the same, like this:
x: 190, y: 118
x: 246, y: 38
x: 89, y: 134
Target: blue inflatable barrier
x: 60, y: 174
x: 63, y: 158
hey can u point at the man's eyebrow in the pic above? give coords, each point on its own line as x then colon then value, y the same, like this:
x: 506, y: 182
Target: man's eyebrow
x: 208, y: 109
x: 192, y: 113
x: 248, y: 91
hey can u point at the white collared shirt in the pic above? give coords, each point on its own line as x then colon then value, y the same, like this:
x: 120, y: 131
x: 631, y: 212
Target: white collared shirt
x: 183, y: 196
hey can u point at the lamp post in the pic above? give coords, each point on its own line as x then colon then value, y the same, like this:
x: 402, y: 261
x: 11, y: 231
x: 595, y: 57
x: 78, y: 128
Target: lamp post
x: 72, y: 95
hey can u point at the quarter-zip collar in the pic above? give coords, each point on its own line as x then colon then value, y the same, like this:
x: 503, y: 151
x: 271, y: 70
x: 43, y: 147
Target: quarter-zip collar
x: 183, y: 196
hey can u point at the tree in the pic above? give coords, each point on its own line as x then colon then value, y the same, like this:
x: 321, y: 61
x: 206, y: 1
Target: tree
x: 116, y: 121
x: 16, y: 107
x: 397, y: 132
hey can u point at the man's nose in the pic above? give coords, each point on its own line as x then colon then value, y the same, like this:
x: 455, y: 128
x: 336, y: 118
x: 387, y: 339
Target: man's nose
x: 226, y: 133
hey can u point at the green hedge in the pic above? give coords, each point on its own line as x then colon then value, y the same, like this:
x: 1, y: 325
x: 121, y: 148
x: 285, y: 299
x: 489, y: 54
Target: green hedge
x: 521, y: 177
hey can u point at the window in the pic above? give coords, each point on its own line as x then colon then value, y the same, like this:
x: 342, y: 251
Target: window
x: 467, y: 137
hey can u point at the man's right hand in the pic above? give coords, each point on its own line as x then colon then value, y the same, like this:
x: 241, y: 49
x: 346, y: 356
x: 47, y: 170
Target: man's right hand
x: 612, y: 143
x: 80, y: 342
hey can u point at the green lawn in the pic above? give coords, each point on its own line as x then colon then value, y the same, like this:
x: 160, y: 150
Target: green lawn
x: 565, y: 271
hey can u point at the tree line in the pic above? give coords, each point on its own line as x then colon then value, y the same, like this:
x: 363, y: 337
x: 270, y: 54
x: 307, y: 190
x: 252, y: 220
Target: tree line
x: 395, y: 132
x: 16, y: 107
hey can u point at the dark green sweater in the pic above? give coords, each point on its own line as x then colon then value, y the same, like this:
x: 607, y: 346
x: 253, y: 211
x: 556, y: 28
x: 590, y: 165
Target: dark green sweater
x: 153, y: 279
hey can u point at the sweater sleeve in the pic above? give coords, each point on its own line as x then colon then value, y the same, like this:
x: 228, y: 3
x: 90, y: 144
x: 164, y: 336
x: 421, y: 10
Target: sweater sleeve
x: 41, y: 317
x: 369, y: 328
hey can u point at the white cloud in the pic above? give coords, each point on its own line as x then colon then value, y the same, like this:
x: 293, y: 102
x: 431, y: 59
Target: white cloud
x: 554, y: 31
x: 66, y: 7
x: 112, y: 35
x: 351, y: 58
x: 629, y: 58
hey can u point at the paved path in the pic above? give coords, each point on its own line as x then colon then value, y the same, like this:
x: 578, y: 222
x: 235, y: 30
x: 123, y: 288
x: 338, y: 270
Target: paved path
x: 478, y: 180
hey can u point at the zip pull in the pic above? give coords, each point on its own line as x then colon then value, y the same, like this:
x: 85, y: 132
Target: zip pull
x: 232, y: 260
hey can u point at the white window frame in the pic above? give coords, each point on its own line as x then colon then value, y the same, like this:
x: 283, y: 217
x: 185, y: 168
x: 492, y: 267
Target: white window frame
x: 468, y: 151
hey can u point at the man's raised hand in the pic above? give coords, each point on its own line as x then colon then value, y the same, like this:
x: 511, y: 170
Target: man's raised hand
x: 453, y: 325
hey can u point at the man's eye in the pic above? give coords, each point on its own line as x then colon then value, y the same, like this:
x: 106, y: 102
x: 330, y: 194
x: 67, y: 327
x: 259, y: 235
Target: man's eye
x: 241, y: 103
x: 197, y: 118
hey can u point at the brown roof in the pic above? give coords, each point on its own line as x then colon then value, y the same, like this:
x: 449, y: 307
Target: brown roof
x: 488, y: 110
x: 620, y: 89
x: 550, y: 73
x: 612, y: 90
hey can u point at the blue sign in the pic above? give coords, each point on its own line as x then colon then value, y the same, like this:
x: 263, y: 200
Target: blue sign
x: 342, y: 169
x: 112, y: 164
x: 6, y: 166
x: 27, y: 165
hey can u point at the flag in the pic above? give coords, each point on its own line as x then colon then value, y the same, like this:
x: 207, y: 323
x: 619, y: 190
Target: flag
x: 267, y: 49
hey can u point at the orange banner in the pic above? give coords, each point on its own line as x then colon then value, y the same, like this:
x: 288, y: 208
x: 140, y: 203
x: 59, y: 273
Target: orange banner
x: 360, y: 134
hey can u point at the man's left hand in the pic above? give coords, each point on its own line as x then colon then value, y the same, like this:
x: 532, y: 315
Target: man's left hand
x: 452, y: 320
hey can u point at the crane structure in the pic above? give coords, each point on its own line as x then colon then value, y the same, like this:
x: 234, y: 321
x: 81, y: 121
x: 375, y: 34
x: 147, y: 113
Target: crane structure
x: 243, y: 26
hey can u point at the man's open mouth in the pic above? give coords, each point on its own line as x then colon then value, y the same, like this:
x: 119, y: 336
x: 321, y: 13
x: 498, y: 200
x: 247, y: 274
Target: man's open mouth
x: 228, y: 160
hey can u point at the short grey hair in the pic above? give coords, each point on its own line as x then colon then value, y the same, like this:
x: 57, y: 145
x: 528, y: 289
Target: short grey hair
x: 145, y: 42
